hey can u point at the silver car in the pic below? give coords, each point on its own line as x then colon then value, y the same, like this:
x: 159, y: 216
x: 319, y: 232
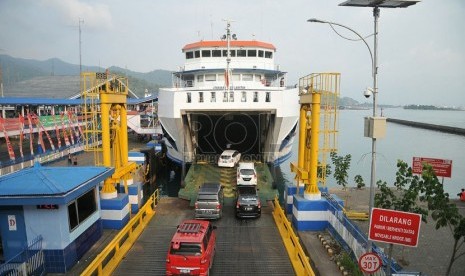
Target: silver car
x: 209, y: 203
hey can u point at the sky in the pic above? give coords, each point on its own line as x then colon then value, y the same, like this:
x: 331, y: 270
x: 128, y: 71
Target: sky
x: 421, y: 49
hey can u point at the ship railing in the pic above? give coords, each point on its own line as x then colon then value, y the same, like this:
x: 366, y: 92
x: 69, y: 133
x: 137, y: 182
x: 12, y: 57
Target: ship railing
x: 110, y: 257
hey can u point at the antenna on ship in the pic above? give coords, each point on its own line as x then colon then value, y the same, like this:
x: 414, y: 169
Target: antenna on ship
x: 227, y: 73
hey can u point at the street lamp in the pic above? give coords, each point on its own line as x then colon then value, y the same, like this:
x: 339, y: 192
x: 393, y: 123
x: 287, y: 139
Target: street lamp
x: 374, y: 126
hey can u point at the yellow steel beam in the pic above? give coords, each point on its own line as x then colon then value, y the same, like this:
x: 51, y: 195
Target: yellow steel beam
x: 312, y: 188
x: 300, y: 261
x: 110, y: 257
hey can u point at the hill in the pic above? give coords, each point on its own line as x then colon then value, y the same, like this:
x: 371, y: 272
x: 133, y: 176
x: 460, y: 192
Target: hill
x: 18, y: 71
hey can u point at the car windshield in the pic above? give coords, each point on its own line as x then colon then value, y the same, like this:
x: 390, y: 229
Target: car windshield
x: 247, y: 191
x: 192, y: 249
x: 247, y: 171
x: 225, y: 157
x: 207, y: 197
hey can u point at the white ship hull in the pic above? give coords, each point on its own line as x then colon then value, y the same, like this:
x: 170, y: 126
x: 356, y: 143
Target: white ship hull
x: 229, y: 94
x: 259, y: 130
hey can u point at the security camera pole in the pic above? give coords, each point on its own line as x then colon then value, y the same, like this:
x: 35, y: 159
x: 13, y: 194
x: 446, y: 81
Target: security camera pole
x: 375, y: 127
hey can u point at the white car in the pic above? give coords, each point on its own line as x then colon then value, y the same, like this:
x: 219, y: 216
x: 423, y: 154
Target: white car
x: 229, y: 158
x: 246, y: 174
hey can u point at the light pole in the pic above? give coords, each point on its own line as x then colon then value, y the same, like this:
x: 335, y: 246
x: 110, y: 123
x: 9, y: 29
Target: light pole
x: 376, y: 126
x: 374, y: 90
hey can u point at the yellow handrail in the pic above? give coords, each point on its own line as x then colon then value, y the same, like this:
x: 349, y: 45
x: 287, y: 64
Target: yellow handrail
x: 107, y: 261
x: 299, y: 260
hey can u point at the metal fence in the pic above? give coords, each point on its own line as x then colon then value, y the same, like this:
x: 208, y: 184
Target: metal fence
x: 352, y: 238
x: 29, y: 262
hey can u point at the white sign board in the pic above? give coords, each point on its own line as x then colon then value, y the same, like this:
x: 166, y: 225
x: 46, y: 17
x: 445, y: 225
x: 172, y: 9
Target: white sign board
x: 12, y: 222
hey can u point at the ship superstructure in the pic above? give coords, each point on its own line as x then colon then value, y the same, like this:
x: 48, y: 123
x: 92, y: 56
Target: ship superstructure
x: 229, y: 94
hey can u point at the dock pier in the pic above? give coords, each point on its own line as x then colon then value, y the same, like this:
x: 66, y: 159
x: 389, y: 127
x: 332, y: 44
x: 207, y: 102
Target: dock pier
x: 441, y: 128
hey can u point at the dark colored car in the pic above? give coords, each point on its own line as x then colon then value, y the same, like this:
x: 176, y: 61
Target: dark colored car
x: 248, y: 202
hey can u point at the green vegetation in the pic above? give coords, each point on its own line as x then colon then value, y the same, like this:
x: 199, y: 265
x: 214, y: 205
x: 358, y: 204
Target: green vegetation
x: 15, y: 70
x: 359, y: 181
x: 427, y: 107
x: 428, y: 190
x: 348, y: 263
x: 341, y: 168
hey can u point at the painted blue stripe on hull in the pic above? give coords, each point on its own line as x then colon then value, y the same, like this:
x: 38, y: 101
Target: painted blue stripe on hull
x: 115, y: 224
x: 303, y: 204
x: 134, y: 189
x: 117, y: 203
x: 134, y: 208
x: 309, y: 225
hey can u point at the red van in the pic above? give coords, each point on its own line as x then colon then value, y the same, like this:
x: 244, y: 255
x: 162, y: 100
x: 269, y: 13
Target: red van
x: 192, y: 249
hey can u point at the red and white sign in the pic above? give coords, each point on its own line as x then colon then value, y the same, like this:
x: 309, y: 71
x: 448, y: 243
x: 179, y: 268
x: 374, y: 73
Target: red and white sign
x: 392, y: 226
x: 442, y: 167
x: 369, y: 262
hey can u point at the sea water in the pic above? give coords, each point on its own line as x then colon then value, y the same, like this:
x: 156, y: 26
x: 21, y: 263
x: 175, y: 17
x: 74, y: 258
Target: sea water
x: 401, y: 143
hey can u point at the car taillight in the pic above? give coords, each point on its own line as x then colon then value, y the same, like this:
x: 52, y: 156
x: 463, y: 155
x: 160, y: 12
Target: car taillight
x: 202, y: 261
x: 259, y: 205
x: 196, y: 205
x: 237, y: 205
x: 167, y: 260
x: 218, y: 206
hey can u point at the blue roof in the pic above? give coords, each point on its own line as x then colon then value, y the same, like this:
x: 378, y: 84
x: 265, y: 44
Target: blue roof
x: 53, y: 101
x: 49, y: 185
x: 143, y: 100
x: 38, y: 101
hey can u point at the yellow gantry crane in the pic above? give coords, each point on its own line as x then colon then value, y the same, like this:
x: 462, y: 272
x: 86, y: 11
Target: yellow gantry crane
x: 318, y: 99
x: 105, y: 114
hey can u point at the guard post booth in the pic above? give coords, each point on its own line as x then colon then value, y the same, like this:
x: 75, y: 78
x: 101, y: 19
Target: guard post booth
x: 60, y: 204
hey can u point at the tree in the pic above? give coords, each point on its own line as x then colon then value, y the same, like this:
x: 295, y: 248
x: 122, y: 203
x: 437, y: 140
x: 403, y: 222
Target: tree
x: 341, y: 168
x: 359, y: 181
x: 444, y: 212
x: 403, y: 198
x: 409, y: 189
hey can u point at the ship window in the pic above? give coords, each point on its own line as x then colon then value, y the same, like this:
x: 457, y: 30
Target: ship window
x: 247, y: 77
x: 251, y: 53
x: 231, y: 97
x: 213, y: 97
x: 267, y: 98
x: 206, y: 53
x: 200, y: 97
x: 244, y: 96
x: 189, y: 97
x: 220, y: 77
x: 225, y: 53
x: 255, y: 97
x: 200, y: 78
x: 260, y: 53
x: 258, y: 77
x: 189, y: 55
x: 236, y: 77
x: 232, y: 53
x: 241, y: 53
x: 210, y: 77
x: 268, y: 54
x: 216, y: 53
x: 197, y: 54
x: 81, y: 208
x: 225, y: 96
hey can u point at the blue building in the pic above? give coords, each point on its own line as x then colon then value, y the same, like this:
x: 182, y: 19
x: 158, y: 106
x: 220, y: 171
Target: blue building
x: 61, y: 204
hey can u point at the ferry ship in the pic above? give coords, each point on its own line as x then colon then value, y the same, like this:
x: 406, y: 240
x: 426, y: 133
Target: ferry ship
x: 229, y: 94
